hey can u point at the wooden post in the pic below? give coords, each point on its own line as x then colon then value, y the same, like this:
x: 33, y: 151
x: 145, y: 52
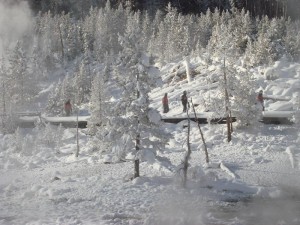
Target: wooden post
x: 231, y: 125
x: 201, y: 133
x: 77, y: 135
x: 188, y: 154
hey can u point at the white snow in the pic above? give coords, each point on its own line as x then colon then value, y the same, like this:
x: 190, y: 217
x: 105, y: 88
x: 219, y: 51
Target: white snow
x: 254, y: 179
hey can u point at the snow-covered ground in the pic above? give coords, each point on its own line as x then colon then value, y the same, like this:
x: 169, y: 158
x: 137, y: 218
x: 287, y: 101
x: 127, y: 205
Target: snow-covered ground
x: 254, y: 179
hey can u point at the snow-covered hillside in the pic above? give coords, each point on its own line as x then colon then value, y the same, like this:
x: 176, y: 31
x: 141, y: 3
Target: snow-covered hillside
x: 254, y: 179
x: 279, y: 82
x: 126, y: 168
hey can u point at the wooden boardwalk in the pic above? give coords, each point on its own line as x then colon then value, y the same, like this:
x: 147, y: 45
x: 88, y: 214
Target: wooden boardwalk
x: 268, y: 117
x: 30, y: 119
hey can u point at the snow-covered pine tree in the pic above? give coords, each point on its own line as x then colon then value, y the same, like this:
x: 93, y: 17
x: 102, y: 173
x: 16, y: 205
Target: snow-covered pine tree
x: 36, y: 64
x: 60, y: 93
x: 21, y: 85
x: 203, y: 27
x: 159, y: 15
x: 82, y: 83
x: 4, y: 97
x: 174, y: 25
x: 46, y: 34
x: 166, y: 45
x: 147, y: 30
x: 260, y: 51
x: 100, y: 110
x: 7, y: 119
x: 158, y: 44
x: 54, y: 104
x: 243, y: 29
x: 89, y: 29
x: 88, y: 56
x: 155, y: 24
x: 269, y: 44
x: 292, y: 40
x: 219, y: 47
x: 18, y: 72
x: 3, y: 85
x: 67, y: 34
x: 133, y: 123
x: 67, y: 89
x: 109, y: 23
x: 236, y: 84
x: 102, y: 33
x: 98, y: 103
x: 185, y: 44
x: 242, y: 89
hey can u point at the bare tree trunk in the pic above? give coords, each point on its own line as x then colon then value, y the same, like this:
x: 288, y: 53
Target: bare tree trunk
x: 201, y: 133
x: 285, y: 9
x: 4, y: 106
x: 228, y: 113
x: 22, y: 90
x: 277, y: 8
x: 77, y: 135
x: 231, y: 126
x: 137, y: 161
x: 137, y: 144
x: 188, y: 154
x: 62, y: 45
x: 4, y: 98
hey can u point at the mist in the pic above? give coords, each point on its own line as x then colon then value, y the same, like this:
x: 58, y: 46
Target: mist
x: 15, y: 22
x: 293, y: 7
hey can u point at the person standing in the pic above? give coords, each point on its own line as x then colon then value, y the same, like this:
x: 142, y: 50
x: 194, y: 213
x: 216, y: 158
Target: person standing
x: 68, y: 107
x: 260, y: 99
x: 184, y: 101
x: 165, y: 103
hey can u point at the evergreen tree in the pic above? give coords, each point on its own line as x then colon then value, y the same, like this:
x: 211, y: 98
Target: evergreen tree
x: 82, y: 83
x: 98, y: 103
x: 205, y: 26
x: 36, y: 64
x: 54, y: 103
x: 22, y: 86
x: 174, y: 37
x: 89, y: 28
x: 69, y: 44
x: 243, y: 102
x: 292, y: 40
x: 6, y: 125
x: 133, y: 122
x: 46, y: 34
x: 147, y: 30
x: 67, y: 89
x: 260, y: 51
x: 4, y: 98
x: 110, y: 23
x: 235, y: 87
x: 100, y: 108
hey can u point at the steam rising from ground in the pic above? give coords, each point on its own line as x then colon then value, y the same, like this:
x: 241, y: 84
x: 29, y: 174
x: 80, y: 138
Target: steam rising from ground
x: 281, y: 206
x: 15, y: 21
